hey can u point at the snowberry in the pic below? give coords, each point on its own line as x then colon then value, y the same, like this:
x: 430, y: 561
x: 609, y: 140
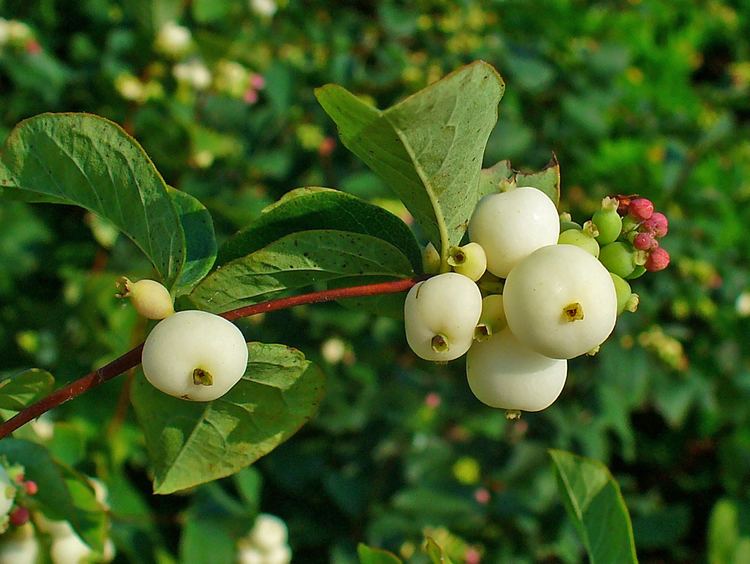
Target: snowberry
x: 608, y: 222
x: 504, y: 373
x: 149, y: 298
x: 583, y: 239
x: 281, y: 554
x: 657, y: 224
x: 469, y: 260
x: 67, y: 549
x: 430, y: 259
x: 19, y: 546
x: 624, y: 293
x: 657, y: 260
x: 512, y: 225
x: 440, y: 315
x: 641, y: 209
x: 492, y: 319
x: 618, y: 258
x: 268, y: 532
x: 560, y: 301
x: 194, y: 355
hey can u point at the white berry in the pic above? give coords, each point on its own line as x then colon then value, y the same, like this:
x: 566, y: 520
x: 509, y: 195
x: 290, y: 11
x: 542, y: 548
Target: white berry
x: 19, y: 546
x: 194, y: 355
x: 469, y: 260
x: 504, y: 373
x: 560, y: 301
x: 440, y: 315
x: 268, y: 532
x: 512, y: 225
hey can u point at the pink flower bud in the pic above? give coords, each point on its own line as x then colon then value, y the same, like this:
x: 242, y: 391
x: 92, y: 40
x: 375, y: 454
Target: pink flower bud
x: 432, y: 400
x: 250, y: 96
x: 327, y: 146
x: 657, y: 260
x: 19, y: 516
x: 31, y: 487
x: 482, y: 495
x: 257, y: 81
x: 641, y: 208
x: 645, y: 242
x: 656, y: 224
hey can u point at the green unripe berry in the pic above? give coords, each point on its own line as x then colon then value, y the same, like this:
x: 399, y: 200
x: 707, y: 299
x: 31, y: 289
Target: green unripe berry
x: 468, y: 260
x: 607, y: 221
x: 622, y: 288
x: 618, y: 258
x: 492, y: 320
x: 566, y: 222
x: 582, y: 239
x: 430, y: 259
x: 638, y: 271
x: 149, y: 298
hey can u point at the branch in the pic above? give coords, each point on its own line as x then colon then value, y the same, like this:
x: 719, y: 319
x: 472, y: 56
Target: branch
x: 132, y: 358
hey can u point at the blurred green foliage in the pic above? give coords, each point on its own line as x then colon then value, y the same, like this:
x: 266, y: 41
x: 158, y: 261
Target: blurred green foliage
x: 649, y: 97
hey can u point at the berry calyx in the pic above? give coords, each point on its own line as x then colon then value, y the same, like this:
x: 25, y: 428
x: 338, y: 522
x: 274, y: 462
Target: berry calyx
x: 440, y: 315
x: 511, y: 225
x: 149, y: 298
x: 657, y: 260
x: 560, y: 301
x: 504, y: 373
x: 641, y: 209
x: 194, y: 355
x: 469, y: 260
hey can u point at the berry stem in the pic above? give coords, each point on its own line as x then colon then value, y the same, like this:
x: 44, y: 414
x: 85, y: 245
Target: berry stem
x: 132, y: 358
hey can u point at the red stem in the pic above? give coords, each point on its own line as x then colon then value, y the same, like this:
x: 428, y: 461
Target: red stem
x: 132, y: 358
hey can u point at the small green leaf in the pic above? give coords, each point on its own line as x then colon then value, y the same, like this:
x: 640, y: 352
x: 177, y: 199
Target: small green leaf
x: 200, y: 242
x: 297, y: 261
x: 63, y: 493
x: 502, y: 177
x: 429, y: 147
x: 321, y: 208
x: 368, y: 555
x: 595, y: 504
x: 191, y: 443
x: 20, y: 389
x: 91, y: 162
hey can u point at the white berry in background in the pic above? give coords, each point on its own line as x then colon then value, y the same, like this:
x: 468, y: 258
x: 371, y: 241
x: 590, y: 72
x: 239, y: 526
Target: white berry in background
x: 69, y: 549
x: 511, y: 225
x: 282, y: 554
x: 250, y: 555
x: 440, y: 315
x: 469, y: 260
x: 19, y: 546
x: 149, y: 298
x: 504, y: 373
x: 194, y: 355
x: 560, y: 301
x: 268, y: 532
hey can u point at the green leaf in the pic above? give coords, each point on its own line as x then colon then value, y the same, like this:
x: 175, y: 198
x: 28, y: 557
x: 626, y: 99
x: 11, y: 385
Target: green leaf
x: 321, y: 208
x: 200, y: 241
x: 437, y: 555
x: 368, y: 555
x: 63, y: 493
x: 429, y: 147
x: 20, y: 389
x: 502, y: 177
x: 296, y: 261
x: 91, y: 162
x: 191, y: 443
x: 595, y: 504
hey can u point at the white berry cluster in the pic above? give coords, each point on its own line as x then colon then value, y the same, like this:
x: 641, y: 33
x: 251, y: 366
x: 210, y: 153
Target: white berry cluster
x: 266, y: 543
x: 556, y: 302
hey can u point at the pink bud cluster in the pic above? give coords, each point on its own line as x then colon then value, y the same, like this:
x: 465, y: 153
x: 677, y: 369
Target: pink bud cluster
x: 20, y: 514
x: 648, y: 226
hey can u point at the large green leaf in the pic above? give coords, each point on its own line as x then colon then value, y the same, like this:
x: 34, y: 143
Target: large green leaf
x: 91, y: 162
x: 321, y: 208
x: 200, y: 241
x: 429, y: 147
x: 502, y: 177
x: 195, y: 442
x: 63, y: 493
x: 369, y: 555
x: 594, y: 502
x: 17, y: 390
x: 296, y: 261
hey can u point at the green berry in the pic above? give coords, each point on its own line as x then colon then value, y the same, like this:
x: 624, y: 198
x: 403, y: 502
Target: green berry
x: 582, y: 239
x: 622, y: 288
x: 638, y: 271
x: 607, y: 221
x: 469, y: 260
x: 618, y: 258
